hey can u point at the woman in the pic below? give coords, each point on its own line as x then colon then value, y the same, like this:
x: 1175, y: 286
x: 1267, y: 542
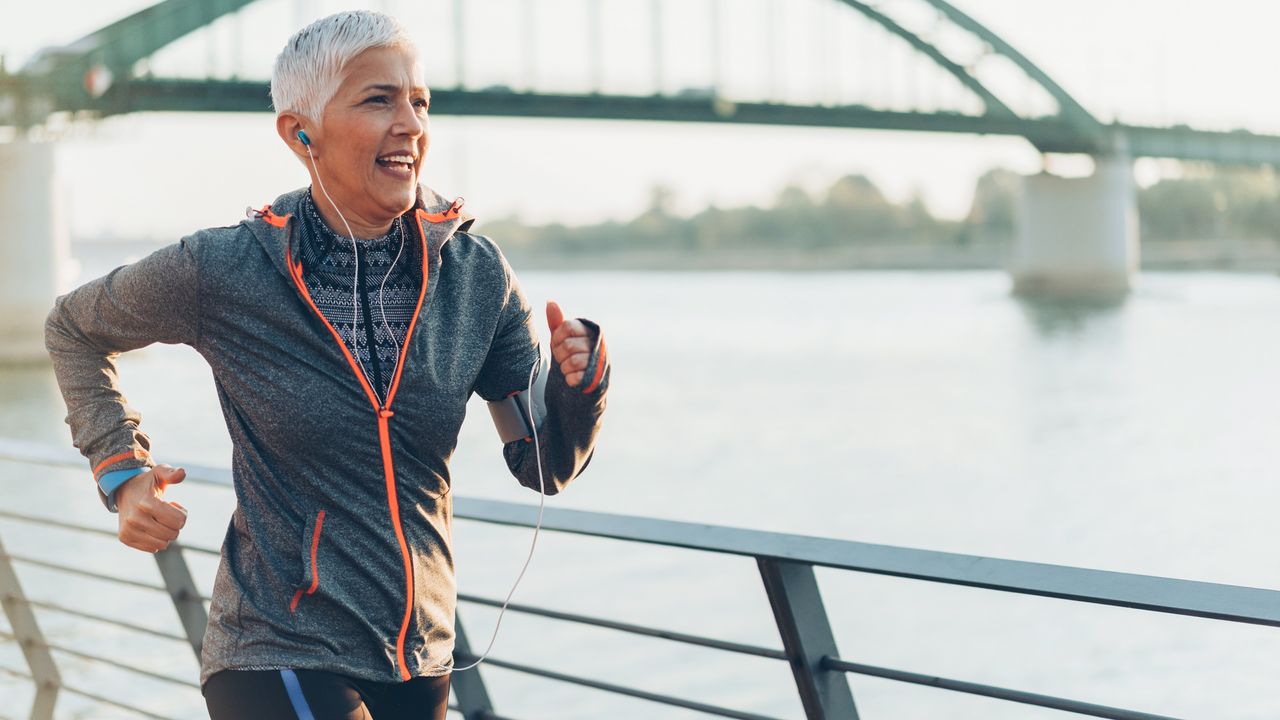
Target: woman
x: 346, y: 329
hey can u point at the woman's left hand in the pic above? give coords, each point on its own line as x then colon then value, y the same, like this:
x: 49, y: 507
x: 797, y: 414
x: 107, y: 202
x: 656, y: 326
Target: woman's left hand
x: 571, y: 344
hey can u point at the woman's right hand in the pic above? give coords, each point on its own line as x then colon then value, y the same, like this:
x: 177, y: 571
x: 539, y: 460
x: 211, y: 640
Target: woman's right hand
x: 147, y: 521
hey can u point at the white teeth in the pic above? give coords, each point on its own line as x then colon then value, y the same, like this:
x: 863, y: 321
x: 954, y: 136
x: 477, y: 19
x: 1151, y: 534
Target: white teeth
x: 406, y: 159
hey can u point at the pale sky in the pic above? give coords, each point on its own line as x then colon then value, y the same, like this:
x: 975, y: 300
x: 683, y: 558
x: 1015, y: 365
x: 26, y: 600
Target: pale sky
x: 1144, y: 61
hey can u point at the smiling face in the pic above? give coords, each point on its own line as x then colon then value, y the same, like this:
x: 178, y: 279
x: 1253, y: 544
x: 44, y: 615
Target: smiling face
x: 373, y: 136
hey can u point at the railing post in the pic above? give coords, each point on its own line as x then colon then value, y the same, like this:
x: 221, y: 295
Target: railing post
x: 44, y: 672
x: 183, y: 592
x: 806, y: 637
x: 468, y: 686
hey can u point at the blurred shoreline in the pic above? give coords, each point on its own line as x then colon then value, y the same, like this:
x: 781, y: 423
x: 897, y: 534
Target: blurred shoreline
x: 1231, y: 255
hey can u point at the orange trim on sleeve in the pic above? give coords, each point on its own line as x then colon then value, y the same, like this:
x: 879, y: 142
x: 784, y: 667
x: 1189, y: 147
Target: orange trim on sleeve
x: 600, y: 363
x: 128, y: 455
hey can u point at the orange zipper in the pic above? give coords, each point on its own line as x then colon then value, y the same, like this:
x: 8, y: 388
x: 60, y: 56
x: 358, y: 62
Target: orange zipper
x: 384, y: 413
x: 389, y: 475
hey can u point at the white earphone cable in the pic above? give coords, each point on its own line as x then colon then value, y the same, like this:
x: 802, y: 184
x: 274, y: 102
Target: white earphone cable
x: 542, y: 501
x: 381, y: 307
x: 355, y: 304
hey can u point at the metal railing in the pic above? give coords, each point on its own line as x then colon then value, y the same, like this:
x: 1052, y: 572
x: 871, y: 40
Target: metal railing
x: 785, y: 562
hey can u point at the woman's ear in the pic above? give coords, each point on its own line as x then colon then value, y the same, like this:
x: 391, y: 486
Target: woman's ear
x: 288, y: 125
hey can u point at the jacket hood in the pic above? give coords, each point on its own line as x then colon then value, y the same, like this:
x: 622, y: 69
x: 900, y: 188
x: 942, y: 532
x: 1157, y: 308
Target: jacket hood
x: 436, y: 218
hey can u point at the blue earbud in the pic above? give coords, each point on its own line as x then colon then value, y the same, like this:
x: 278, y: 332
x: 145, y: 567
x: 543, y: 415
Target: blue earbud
x: 302, y: 135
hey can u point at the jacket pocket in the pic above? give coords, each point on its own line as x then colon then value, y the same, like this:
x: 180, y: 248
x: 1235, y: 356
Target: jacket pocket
x: 311, y: 571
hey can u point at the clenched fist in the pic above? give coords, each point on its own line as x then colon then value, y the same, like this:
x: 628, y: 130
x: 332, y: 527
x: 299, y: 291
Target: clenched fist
x: 147, y: 521
x: 571, y: 344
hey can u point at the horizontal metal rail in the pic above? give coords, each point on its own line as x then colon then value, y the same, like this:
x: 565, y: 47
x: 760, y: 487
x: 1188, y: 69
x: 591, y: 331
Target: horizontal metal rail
x: 101, y: 619
x: 619, y: 689
x: 123, y: 666
x: 24, y: 451
x: 1141, y: 592
x: 484, y: 714
x: 38, y: 520
x: 109, y: 661
x: 115, y: 703
x: 85, y: 573
x: 50, y: 522
x: 991, y: 691
x: 86, y: 694
x: 636, y: 629
x: 16, y: 672
x: 781, y: 551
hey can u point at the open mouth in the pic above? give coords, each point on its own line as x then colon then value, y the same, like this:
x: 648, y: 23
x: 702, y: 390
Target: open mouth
x: 398, y: 162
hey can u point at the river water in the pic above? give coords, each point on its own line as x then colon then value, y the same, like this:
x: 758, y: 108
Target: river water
x: 927, y: 410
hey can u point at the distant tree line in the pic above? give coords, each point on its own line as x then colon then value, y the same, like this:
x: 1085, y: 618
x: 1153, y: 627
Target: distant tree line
x: 853, y: 211
x: 1213, y: 205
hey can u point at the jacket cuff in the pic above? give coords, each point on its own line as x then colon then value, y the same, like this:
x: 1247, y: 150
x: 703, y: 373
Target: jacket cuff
x: 110, y: 482
x: 595, y: 379
x: 111, y: 465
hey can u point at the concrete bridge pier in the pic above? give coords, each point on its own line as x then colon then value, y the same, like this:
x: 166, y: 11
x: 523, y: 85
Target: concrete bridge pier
x: 1078, y: 237
x: 34, y: 248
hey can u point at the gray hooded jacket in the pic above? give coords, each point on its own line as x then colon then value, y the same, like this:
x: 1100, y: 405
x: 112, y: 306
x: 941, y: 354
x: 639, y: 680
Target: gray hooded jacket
x: 338, y: 555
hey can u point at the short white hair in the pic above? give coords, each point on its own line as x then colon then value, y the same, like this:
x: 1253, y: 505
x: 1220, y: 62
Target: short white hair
x: 308, y: 71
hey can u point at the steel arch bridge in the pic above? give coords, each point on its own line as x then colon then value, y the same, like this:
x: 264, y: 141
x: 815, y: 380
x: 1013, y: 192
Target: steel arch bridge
x: 74, y: 78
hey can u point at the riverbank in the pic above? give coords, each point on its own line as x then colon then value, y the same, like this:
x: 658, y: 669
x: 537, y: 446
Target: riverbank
x: 1175, y: 255
x: 1253, y: 256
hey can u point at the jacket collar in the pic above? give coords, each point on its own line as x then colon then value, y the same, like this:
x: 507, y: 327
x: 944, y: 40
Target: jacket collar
x: 437, y: 219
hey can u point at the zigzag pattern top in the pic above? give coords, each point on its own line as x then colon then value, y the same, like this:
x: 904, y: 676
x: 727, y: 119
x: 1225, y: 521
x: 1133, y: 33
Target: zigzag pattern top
x: 332, y: 270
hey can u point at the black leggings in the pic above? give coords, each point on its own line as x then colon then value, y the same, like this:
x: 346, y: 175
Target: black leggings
x: 319, y: 695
